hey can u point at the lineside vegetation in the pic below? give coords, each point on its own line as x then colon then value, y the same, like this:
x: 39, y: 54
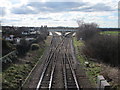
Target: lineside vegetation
x: 102, y: 47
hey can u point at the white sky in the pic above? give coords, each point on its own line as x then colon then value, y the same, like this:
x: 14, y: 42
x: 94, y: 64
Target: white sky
x: 58, y: 12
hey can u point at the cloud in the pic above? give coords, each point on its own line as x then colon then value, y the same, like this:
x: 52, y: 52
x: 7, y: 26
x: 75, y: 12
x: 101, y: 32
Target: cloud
x: 99, y: 7
x: 102, y: 7
x: 50, y: 7
x: 54, y: 13
x: 54, y: 7
x: 56, y: 20
x: 24, y: 10
x: 9, y: 20
x: 2, y: 11
x: 43, y: 18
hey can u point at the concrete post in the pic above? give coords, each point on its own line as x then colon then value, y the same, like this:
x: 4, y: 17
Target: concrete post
x: 99, y: 79
x: 102, y: 84
x: 105, y: 85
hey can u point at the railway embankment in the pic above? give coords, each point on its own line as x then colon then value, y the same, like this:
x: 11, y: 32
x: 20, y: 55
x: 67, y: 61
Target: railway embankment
x: 83, y: 78
x: 34, y: 75
x: 93, y: 68
x: 19, y: 72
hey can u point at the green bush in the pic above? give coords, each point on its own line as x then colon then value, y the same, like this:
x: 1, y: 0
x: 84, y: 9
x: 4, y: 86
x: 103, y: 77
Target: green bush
x: 34, y: 46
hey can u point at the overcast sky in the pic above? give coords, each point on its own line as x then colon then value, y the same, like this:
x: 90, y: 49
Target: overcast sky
x: 58, y: 13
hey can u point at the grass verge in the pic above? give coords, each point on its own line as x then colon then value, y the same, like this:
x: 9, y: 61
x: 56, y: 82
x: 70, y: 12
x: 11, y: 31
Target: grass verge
x: 110, y: 32
x: 12, y: 76
x: 94, y: 69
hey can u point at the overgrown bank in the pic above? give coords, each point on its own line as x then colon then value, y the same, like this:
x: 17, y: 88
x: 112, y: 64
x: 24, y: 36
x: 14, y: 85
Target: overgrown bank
x: 18, y: 71
x: 96, y: 68
x: 102, y: 47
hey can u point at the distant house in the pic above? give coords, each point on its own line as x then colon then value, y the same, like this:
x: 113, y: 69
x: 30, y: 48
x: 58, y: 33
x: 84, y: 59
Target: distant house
x: 9, y: 38
x: 29, y: 31
x: 32, y: 32
x: 25, y: 32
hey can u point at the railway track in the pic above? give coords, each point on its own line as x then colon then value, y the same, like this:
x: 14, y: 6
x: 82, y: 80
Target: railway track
x: 71, y: 80
x: 58, y: 58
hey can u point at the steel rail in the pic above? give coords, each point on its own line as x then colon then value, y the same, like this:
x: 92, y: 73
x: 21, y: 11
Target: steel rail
x: 64, y: 72
x: 51, y: 77
x: 66, y: 50
x: 64, y: 68
x: 74, y: 76
x: 53, y: 70
x: 73, y: 73
x: 46, y: 66
x: 44, y: 70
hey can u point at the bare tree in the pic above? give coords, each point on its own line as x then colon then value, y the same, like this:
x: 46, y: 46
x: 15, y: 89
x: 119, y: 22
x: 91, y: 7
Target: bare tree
x: 86, y: 30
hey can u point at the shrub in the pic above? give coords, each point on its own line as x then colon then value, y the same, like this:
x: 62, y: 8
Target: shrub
x: 101, y: 47
x: 104, y: 48
x: 34, y: 46
x: 23, y: 47
x: 87, y: 30
x: 7, y: 47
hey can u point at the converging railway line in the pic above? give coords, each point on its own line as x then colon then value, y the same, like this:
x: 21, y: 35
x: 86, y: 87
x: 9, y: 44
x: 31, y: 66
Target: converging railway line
x: 59, y: 70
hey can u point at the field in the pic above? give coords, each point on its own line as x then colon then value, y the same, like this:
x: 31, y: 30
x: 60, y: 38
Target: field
x: 110, y: 32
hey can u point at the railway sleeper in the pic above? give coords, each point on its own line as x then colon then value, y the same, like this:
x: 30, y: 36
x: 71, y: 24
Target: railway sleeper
x: 45, y: 84
x: 71, y: 84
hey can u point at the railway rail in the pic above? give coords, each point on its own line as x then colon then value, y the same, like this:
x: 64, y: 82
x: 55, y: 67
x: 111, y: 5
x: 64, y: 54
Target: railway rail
x: 59, y: 54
